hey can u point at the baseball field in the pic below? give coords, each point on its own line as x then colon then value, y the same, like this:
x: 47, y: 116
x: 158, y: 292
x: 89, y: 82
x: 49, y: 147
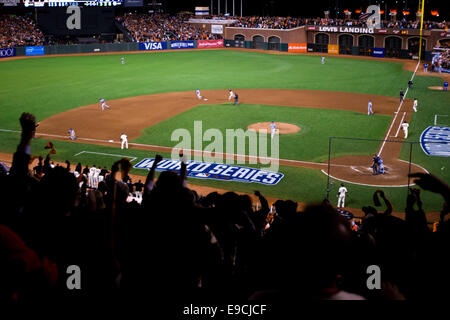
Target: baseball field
x: 153, y: 94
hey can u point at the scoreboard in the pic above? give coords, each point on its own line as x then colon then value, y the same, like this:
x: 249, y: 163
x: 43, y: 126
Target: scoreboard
x: 64, y: 3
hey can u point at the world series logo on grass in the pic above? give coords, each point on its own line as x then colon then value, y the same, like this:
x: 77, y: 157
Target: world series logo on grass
x: 215, y: 171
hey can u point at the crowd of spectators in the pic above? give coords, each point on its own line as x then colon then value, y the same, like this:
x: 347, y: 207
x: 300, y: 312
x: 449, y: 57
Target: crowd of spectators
x: 19, y: 31
x: 178, y: 246
x: 162, y: 27
x: 291, y: 22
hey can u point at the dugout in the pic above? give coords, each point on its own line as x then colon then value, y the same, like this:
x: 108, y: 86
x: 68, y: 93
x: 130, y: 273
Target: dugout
x: 345, y: 44
x: 393, y: 46
x: 366, y: 45
x: 322, y: 40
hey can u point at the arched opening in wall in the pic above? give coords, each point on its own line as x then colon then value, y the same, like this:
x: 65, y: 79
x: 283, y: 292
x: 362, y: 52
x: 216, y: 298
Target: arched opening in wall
x: 366, y: 44
x: 239, y: 40
x: 274, y: 43
x: 322, y: 40
x: 393, y: 46
x: 444, y: 43
x: 258, y: 42
x: 413, y: 47
x: 345, y: 44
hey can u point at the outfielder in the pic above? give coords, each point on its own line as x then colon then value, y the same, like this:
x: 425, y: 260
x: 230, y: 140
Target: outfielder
x: 405, y: 126
x: 123, y: 60
x: 123, y: 138
x: 341, y: 196
x: 369, y: 108
x: 231, y: 96
x: 415, y: 105
x: 273, y: 128
x: 104, y: 105
x: 323, y: 60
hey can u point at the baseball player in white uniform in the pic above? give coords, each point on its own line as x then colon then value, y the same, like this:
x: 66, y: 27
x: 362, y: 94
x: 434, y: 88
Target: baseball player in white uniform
x: 323, y: 60
x: 369, y: 108
x: 405, y: 126
x: 123, y: 138
x: 341, y: 196
x: 72, y: 134
x: 123, y: 60
x: 197, y: 92
x: 231, y: 96
x: 104, y: 105
x: 273, y: 128
x: 415, y: 105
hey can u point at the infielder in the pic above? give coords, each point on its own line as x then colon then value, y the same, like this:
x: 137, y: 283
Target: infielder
x: 369, y: 108
x: 72, y: 134
x: 231, y: 95
x: 123, y: 138
x: 197, y: 92
x: 104, y: 105
x: 415, y: 105
x: 405, y: 126
x: 341, y: 196
x: 273, y: 128
x: 236, y: 99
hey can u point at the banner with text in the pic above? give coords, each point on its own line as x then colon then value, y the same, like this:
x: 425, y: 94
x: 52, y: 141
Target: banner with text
x: 217, y: 29
x: 297, y: 47
x: 378, y: 52
x: 215, y: 171
x: 210, y: 43
x: 7, y: 52
x: 150, y: 46
x: 333, y: 49
x: 182, y: 45
x: 34, y: 51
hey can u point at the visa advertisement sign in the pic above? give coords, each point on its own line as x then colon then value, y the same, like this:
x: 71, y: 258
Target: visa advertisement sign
x: 150, y: 46
x: 34, y: 51
x: 215, y: 171
x: 182, y: 45
x: 378, y: 52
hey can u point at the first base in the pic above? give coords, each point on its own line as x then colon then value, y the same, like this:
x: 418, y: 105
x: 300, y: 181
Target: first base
x: 205, y: 99
x: 110, y: 140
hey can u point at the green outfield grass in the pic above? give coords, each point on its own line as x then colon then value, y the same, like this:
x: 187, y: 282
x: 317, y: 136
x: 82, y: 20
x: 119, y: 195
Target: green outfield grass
x: 50, y: 85
x: 309, y: 144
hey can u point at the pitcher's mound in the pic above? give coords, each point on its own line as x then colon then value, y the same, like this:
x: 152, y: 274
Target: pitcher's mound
x: 436, y: 88
x: 283, y: 128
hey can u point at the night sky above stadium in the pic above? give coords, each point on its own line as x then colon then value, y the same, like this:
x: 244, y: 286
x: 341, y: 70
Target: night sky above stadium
x: 311, y: 9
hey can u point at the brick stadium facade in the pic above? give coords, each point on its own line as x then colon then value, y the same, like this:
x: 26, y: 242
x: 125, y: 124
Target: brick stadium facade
x: 399, y: 43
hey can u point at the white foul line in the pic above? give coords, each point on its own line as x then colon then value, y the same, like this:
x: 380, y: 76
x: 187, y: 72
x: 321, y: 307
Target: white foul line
x: 396, y: 114
x: 401, y: 121
x: 367, y: 185
x: 107, y: 154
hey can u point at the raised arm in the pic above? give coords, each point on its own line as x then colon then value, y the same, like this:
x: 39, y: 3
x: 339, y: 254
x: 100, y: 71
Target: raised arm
x: 149, y: 181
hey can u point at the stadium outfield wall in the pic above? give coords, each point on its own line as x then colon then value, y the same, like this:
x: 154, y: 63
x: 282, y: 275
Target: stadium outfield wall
x: 398, y: 43
x: 358, y: 41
